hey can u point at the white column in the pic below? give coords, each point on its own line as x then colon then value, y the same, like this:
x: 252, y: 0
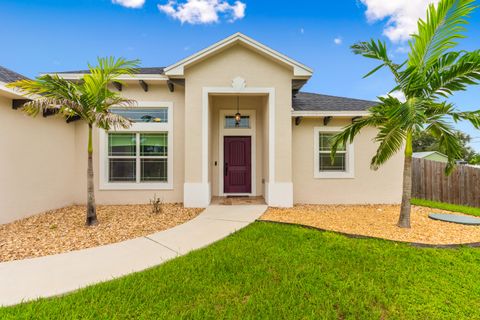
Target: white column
x: 198, y: 194
x: 277, y: 194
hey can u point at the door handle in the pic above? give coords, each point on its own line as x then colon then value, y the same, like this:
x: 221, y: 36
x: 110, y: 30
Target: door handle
x: 226, y: 169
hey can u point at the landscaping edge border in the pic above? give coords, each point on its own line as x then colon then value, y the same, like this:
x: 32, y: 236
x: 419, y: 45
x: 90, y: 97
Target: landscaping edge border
x: 358, y: 236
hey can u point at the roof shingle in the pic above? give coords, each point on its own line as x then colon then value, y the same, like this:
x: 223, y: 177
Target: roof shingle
x: 148, y: 70
x: 7, y: 75
x: 304, y: 101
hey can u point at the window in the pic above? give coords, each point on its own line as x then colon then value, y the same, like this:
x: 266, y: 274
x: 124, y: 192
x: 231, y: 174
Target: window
x: 143, y: 114
x: 231, y: 124
x: 342, y: 164
x: 139, y: 157
x: 325, y: 147
x: 122, y: 157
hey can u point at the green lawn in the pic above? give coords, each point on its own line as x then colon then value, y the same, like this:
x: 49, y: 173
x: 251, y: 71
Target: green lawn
x: 271, y: 271
x: 447, y: 206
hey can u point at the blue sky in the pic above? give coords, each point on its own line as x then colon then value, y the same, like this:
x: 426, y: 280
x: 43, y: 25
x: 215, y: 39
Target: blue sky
x: 56, y: 35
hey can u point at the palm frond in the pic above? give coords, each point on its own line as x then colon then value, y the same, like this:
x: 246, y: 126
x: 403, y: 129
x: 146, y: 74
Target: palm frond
x: 376, y: 50
x: 443, y: 26
x: 447, y: 140
x: 391, y: 138
x: 454, y: 71
x: 120, y: 103
x: 437, y: 110
x: 109, y: 68
x: 109, y: 120
x: 406, y: 114
x: 48, y: 86
x: 471, y: 116
x: 59, y: 106
x: 349, y: 133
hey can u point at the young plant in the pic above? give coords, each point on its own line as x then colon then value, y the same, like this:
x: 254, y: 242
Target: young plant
x: 88, y: 100
x: 157, y: 204
x: 431, y: 73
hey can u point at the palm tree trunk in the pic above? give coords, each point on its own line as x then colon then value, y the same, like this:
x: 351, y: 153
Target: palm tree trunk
x: 91, y: 208
x: 404, y: 220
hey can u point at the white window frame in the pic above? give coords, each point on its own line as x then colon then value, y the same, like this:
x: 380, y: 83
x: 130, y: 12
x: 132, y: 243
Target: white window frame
x: 139, y: 127
x: 349, y: 172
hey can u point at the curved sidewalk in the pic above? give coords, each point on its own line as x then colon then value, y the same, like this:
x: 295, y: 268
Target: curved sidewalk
x: 48, y: 276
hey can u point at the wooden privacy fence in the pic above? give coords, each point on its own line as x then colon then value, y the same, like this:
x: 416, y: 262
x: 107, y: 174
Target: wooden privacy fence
x: 430, y: 182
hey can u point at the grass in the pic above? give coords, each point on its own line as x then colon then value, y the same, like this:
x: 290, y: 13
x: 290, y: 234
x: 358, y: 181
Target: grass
x: 447, y: 206
x: 271, y: 271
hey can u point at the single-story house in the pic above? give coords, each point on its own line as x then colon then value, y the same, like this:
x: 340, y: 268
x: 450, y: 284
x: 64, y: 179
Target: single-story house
x: 186, y: 144
x: 431, y: 155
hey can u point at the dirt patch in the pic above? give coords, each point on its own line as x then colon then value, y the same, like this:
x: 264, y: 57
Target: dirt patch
x: 377, y: 221
x: 64, y: 229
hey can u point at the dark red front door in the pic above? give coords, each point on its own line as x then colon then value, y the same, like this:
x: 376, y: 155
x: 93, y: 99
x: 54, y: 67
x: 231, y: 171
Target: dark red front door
x: 237, y: 166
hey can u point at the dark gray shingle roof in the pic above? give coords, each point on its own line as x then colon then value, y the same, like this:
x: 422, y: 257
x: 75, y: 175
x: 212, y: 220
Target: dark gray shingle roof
x: 7, y: 75
x: 149, y: 70
x: 304, y: 101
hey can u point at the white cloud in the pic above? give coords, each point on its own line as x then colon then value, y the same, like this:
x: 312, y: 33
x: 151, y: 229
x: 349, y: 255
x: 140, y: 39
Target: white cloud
x: 338, y: 41
x: 403, y: 49
x: 402, y: 16
x: 130, y: 3
x: 397, y: 94
x: 203, y: 11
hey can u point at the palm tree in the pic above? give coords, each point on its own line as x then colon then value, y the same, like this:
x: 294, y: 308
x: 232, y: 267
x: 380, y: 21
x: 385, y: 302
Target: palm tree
x: 432, y: 73
x: 88, y: 99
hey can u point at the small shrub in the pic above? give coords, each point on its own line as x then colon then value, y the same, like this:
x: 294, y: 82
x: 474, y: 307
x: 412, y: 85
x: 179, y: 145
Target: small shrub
x: 157, y: 204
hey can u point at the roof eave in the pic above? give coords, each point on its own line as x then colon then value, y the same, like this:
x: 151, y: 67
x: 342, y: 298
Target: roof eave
x: 135, y: 77
x: 9, y: 92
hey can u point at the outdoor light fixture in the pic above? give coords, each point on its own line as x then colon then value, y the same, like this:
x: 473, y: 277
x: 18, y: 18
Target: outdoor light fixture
x: 238, y: 116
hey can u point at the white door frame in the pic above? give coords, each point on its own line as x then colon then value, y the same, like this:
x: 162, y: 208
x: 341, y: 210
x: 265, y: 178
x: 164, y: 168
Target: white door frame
x: 242, y: 132
x: 199, y: 194
x: 206, y: 126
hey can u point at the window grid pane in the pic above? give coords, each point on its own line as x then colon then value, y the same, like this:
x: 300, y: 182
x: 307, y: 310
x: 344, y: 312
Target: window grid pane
x: 122, y: 170
x: 154, y: 170
x: 155, y: 115
x: 325, y: 142
x: 122, y: 144
x: 325, y: 162
x: 230, y: 122
x: 154, y: 144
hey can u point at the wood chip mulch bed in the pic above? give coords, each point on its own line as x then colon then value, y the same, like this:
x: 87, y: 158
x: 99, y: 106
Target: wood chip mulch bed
x: 64, y: 230
x: 378, y: 221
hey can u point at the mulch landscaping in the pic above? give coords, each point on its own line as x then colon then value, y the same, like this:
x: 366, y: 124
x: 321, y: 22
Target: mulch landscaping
x: 378, y: 221
x: 64, y: 229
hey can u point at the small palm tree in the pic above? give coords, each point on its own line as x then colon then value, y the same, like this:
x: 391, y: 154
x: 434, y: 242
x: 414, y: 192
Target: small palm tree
x: 88, y: 100
x: 432, y: 72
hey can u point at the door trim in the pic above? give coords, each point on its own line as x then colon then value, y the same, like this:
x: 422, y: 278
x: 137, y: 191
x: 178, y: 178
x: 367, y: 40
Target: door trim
x: 239, y: 132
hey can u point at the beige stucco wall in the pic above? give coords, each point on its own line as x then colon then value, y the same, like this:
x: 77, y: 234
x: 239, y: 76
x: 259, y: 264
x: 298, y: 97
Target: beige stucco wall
x: 156, y: 92
x: 368, y: 186
x: 219, y: 71
x: 254, y: 103
x: 37, y: 162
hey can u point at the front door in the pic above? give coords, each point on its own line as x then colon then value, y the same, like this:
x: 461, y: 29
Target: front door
x: 237, y: 166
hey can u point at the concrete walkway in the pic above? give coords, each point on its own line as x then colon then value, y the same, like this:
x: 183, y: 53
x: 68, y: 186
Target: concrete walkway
x: 48, y: 276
